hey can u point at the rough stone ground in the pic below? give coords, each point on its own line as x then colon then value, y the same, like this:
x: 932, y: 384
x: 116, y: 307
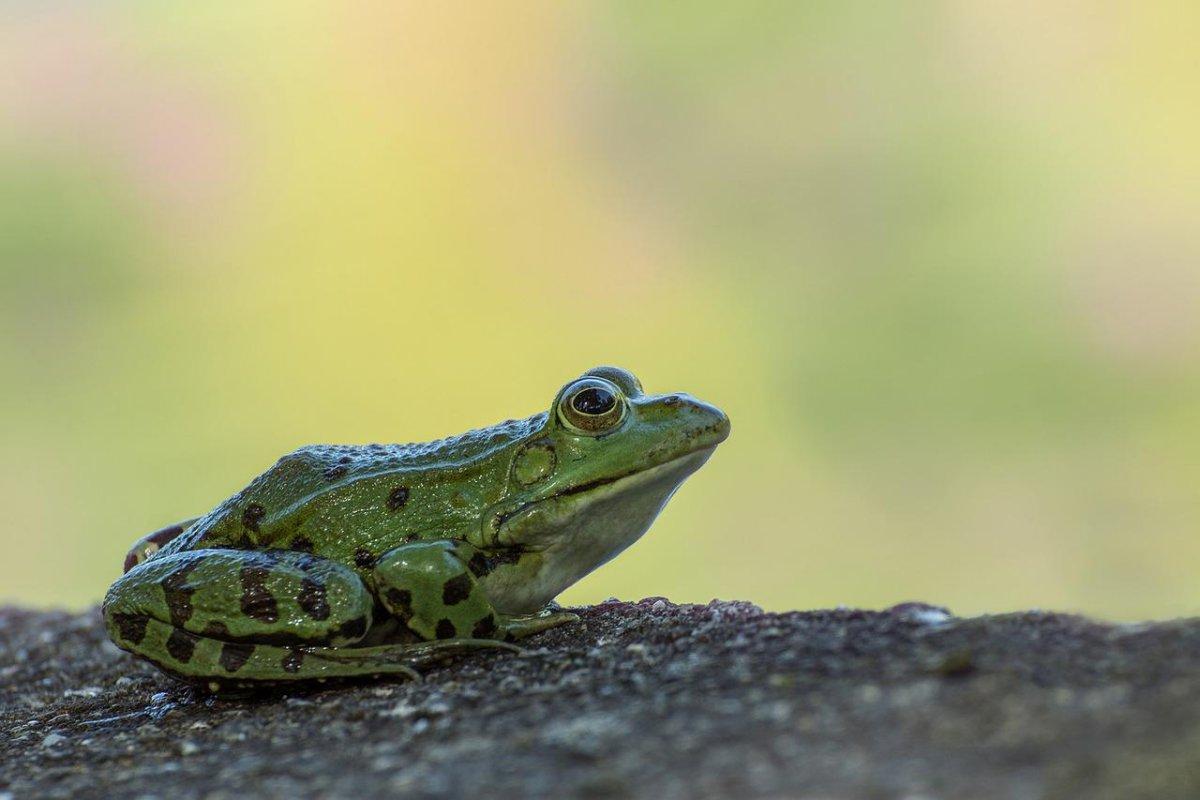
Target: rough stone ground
x: 645, y: 700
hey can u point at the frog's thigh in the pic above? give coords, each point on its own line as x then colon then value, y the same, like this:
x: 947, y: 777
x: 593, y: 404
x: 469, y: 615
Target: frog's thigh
x: 268, y: 596
x: 429, y: 587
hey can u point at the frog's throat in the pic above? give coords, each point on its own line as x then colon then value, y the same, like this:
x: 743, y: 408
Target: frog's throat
x: 569, y: 534
x: 497, y: 523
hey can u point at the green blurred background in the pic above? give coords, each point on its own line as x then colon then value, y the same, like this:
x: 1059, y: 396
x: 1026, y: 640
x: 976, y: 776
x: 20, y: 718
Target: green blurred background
x: 937, y: 261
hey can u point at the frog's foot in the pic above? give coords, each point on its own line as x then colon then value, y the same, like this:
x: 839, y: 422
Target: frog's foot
x: 518, y: 627
x: 396, y: 659
x: 425, y: 654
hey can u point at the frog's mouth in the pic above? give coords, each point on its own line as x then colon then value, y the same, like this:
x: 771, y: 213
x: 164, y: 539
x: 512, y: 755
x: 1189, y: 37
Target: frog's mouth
x: 566, y: 535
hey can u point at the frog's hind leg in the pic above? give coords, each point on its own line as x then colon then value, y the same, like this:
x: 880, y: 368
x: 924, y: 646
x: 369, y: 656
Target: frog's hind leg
x: 240, y: 614
x: 236, y: 617
x: 151, y: 543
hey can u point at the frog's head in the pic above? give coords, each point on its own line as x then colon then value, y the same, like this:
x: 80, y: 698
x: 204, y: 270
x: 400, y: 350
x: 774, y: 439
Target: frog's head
x: 591, y: 481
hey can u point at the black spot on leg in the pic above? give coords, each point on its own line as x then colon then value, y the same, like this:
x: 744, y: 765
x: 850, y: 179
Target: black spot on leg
x: 400, y: 603
x: 252, y: 516
x: 312, y: 599
x: 351, y: 629
x: 364, y: 558
x: 478, y: 565
x: 485, y: 627
x: 216, y: 629
x: 482, y: 565
x: 457, y: 589
x: 335, y: 472
x: 257, y: 600
x: 446, y: 629
x: 234, y: 655
x: 301, y: 544
x: 397, y: 498
x: 179, y: 595
x: 131, y: 627
x: 181, y: 645
x: 292, y: 661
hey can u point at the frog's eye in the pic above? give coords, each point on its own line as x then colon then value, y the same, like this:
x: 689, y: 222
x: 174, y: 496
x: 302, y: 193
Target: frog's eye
x: 591, y: 406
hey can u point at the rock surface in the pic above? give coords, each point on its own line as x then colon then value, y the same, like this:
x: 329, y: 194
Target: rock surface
x: 648, y: 700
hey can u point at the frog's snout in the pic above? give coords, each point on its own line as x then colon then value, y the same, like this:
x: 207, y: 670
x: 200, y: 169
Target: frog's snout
x: 721, y: 426
x: 706, y: 423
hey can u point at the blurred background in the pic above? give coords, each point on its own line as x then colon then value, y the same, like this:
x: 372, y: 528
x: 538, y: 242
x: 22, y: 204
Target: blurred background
x: 938, y: 262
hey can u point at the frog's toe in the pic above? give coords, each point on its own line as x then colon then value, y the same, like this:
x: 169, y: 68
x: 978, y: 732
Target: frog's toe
x: 425, y: 652
x: 522, y: 626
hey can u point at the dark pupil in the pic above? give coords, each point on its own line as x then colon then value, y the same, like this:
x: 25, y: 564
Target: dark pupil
x: 593, y: 400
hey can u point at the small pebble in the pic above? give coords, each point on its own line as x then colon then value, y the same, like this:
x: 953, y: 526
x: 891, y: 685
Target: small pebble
x: 53, y: 740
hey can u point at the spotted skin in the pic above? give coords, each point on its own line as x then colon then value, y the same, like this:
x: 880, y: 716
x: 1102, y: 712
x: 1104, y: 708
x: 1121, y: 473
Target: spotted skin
x: 276, y: 596
x: 430, y: 587
x: 299, y: 616
x: 222, y: 665
x: 234, y: 656
x: 345, y: 561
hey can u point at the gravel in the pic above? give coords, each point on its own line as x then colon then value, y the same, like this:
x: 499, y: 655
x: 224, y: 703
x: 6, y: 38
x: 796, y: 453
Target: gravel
x: 645, y: 699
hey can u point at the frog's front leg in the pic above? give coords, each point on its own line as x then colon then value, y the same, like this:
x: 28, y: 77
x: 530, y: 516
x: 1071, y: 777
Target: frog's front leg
x: 431, y: 587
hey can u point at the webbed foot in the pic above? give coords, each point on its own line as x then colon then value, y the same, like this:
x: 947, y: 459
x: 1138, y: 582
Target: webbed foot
x: 518, y: 627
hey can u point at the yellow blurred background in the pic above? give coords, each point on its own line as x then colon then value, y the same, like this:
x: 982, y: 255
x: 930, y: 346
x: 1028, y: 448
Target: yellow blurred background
x: 938, y: 262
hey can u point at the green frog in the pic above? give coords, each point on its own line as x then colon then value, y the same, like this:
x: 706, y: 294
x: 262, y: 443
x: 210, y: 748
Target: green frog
x: 345, y: 561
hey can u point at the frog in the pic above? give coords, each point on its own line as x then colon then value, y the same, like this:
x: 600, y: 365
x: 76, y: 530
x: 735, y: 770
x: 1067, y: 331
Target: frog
x: 353, y: 561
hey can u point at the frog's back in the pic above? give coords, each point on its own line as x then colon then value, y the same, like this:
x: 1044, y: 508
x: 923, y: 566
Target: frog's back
x: 284, y: 506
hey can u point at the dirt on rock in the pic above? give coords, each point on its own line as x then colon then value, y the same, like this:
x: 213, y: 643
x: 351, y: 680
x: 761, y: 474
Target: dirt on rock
x: 645, y: 700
